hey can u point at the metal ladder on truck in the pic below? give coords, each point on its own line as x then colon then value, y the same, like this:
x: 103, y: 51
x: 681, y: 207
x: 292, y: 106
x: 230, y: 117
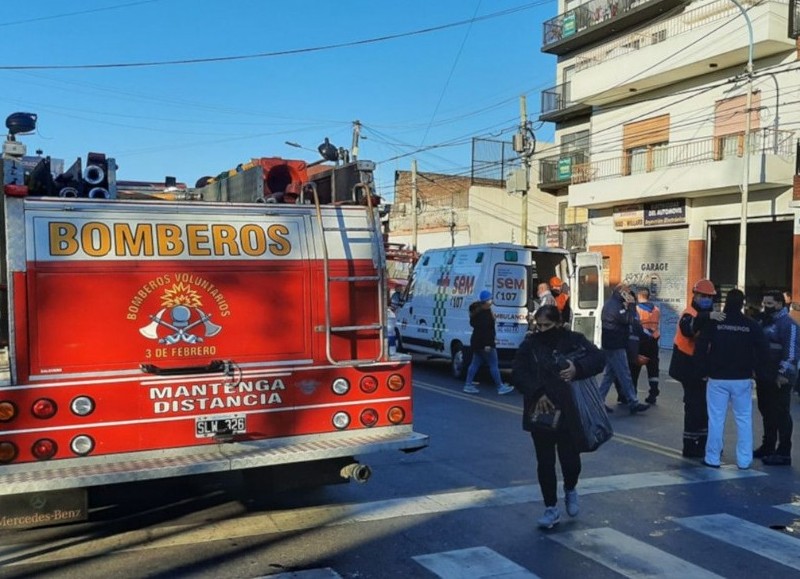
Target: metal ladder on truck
x: 376, y: 244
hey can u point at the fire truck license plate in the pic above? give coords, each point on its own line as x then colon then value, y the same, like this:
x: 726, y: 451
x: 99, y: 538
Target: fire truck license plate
x: 207, y: 426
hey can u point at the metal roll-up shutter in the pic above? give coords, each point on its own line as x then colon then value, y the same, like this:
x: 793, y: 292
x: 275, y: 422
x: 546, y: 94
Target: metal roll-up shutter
x: 657, y: 259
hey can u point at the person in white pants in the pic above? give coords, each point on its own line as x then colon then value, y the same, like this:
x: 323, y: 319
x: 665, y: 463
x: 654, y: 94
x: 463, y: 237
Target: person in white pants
x: 739, y: 394
x: 730, y: 352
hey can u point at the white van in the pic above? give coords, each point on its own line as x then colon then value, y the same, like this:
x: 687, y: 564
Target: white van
x: 433, y: 317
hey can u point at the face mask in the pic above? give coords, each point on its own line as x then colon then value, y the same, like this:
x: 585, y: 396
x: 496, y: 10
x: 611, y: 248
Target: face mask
x: 550, y: 337
x: 705, y: 303
x: 770, y: 310
x: 556, y: 292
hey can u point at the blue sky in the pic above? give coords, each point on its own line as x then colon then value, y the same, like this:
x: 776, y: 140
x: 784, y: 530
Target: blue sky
x: 435, y: 89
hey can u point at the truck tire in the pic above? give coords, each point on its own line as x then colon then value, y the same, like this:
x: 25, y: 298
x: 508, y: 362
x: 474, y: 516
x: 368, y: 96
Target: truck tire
x: 460, y: 359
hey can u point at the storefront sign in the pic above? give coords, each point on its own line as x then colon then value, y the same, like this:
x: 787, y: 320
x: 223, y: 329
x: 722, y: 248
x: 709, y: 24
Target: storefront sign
x: 665, y: 213
x: 644, y: 215
x: 628, y: 216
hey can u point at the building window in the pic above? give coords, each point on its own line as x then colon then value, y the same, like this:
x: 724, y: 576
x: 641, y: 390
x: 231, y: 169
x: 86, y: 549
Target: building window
x: 730, y: 119
x: 646, y: 159
x: 644, y: 145
x: 729, y: 146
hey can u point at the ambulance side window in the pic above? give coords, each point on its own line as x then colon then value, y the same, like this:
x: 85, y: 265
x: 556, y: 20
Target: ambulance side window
x: 588, y: 283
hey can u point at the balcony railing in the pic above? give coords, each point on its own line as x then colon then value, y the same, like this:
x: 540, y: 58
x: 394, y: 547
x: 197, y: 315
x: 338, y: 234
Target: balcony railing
x: 558, y: 170
x: 561, y: 33
x: 572, y: 237
x: 766, y: 141
x: 661, y: 31
x: 557, y: 104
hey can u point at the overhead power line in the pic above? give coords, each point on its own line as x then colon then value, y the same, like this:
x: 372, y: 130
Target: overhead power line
x: 277, y: 53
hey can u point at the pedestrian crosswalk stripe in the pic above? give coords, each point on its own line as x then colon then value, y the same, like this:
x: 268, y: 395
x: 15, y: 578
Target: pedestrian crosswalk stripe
x: 754, y: 538
x: 793, y: 508
x: 477, y: 563
x: 628, y: 556
x: 344, y: 514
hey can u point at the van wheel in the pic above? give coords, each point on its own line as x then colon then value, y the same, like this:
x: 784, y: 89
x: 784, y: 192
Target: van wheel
x: 461, y: 358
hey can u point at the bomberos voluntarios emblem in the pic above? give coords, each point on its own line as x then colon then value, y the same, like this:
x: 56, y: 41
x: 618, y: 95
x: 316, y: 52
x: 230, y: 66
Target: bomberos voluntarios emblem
x: 182, y: 316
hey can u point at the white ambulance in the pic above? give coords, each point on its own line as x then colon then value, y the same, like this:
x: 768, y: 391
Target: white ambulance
x: 434, y: 316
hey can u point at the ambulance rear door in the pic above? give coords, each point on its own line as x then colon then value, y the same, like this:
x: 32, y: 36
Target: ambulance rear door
x: 587, y: 295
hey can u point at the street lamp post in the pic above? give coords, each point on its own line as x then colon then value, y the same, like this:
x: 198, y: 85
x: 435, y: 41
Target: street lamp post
x: 740, y: 279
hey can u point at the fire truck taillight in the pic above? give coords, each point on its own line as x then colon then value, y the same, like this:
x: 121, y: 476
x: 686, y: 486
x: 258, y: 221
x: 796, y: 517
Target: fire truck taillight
x: 82, y: 406
x: 396, y: 415
x: 341, y: 386
x: 7, y: 411
x: 341, y: 420
x: 8, y: 452
x: 395, y: 382
x: 44, y: 408
x: 369, y: 384
x: 82, y: 444
x: 44, y: 449
x: 369, y: 417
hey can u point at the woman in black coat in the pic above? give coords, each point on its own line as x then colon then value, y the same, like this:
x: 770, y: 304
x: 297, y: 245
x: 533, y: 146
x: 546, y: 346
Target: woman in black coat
x: 546, y: 361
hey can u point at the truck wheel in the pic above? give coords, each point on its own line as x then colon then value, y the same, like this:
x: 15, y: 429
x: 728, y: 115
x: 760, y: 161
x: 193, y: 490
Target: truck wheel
x: 461, y: 358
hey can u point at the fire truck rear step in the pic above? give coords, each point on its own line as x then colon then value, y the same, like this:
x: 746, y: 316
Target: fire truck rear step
x: 100, y: 470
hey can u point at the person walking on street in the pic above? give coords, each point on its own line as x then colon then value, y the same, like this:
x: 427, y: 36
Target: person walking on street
x: 618, y: 318
x: 683, y: 366
x: 483, y: 344
x: 774, y: 390
x: 729, y: 353
x: 650, y: 320
x: 545, y: 361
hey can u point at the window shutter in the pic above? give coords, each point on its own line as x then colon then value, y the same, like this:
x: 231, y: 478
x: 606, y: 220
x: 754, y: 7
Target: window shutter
x: 729, y: 114
x: 646, y: 132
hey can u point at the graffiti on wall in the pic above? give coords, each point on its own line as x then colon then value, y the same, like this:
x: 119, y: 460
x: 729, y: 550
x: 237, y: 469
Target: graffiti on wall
x: 667, y: 287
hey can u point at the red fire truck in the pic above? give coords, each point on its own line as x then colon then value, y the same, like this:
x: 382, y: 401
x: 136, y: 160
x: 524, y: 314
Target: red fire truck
x: 243, y: 327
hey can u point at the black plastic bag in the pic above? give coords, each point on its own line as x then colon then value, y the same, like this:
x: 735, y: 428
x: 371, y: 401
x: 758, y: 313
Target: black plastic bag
x: 593, y: 427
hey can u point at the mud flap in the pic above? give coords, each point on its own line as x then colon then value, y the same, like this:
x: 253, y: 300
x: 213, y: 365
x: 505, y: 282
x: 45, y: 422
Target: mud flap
x: 29, y: 510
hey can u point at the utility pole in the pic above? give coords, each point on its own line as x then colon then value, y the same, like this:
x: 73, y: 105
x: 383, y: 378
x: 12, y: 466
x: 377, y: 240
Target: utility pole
x: 356, y: 135
x: 414, y: 204
x: 524, y: 145
x: 741, y: 276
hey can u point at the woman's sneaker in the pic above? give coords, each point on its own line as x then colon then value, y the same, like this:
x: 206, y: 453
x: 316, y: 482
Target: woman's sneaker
x: 571, y: 502
x: 505, y: 389
x: 550, y: 518
x: 470, y: 389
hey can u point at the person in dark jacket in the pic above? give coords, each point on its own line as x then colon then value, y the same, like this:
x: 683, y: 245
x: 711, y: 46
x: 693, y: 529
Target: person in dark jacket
x: 774, y: 390
x: 545, y: 361
x: 618, y: 320
x: 729, y: 354
x: 683, y: 366
x: 482, y: 343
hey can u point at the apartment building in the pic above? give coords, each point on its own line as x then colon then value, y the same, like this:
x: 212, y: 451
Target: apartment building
x: 652, y: 137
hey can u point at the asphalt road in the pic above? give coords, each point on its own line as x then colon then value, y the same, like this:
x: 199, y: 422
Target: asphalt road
x: 465, y: 507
